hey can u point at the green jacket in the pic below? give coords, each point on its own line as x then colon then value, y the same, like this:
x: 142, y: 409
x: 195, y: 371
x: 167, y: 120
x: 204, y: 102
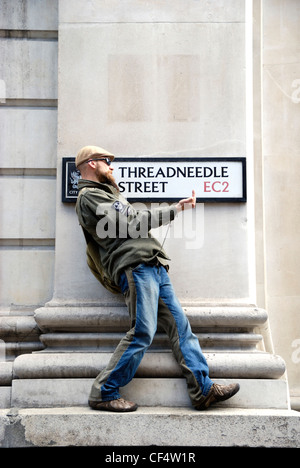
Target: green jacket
x: 117, y: 234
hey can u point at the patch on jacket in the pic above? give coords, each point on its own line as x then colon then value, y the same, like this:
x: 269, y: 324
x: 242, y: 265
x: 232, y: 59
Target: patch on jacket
x: 123, y: 209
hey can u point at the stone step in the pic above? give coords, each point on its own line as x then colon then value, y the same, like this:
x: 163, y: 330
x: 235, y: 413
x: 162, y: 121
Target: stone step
x: 155, y: 428
x: 253, y: 393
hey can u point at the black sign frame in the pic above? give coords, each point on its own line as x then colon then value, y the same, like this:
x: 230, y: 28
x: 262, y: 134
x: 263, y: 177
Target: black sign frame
x: 70, y: 176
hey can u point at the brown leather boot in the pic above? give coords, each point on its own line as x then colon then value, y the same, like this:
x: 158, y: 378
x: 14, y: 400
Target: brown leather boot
x: 119, y: 406
x: 217, y: 393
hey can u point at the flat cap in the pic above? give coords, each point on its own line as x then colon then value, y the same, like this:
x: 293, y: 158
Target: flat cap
x: 88, y: 152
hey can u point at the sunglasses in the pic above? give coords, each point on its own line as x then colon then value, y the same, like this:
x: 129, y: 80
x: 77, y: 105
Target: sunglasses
x: 107, y: 160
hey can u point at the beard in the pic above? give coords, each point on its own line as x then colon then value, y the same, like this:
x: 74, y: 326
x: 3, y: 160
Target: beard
x: 107, y: 179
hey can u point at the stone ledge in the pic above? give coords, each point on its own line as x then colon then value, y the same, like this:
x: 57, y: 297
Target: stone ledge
x: 108, y: 318
x: 255, y: 365
x: 164, y: 426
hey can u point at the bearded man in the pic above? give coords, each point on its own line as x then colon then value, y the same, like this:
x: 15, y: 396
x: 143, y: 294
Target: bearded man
x: 138, y: 265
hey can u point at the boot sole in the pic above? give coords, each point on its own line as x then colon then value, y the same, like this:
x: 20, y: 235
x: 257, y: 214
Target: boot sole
x: 107, y: 407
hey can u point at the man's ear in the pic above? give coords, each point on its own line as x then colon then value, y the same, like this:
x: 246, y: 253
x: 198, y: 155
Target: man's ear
x: 92, y: 164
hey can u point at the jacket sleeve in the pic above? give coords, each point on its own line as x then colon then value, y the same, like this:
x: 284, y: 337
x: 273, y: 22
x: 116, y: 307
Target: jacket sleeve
x: 115, y: 217
x: 142, y: 221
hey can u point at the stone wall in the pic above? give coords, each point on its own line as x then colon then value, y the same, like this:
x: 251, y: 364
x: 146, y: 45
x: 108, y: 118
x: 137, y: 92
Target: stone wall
x: 28, y: 147
x: 277, y: 159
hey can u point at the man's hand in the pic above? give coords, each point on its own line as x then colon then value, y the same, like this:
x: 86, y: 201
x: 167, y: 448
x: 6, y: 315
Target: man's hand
x: 187, y: 203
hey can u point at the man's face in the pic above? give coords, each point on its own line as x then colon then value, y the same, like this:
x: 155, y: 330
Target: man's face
x: 104, y: 174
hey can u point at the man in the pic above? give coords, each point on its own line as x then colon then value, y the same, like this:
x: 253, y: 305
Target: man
x: 122, y: 252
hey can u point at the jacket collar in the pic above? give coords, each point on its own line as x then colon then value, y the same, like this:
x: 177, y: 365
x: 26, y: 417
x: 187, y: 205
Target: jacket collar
x: 84, y: 183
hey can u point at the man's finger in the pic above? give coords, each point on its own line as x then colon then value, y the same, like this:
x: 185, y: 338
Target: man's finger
x: 194, y: 198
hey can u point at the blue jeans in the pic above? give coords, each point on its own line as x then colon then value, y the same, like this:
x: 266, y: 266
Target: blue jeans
x: 151, y: 300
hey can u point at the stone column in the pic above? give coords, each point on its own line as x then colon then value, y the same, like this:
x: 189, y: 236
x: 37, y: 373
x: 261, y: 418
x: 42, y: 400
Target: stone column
x: 155, y: 79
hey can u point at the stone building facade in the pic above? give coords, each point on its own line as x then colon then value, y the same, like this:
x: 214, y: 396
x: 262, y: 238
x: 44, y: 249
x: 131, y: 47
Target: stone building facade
x: 183, y: 79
